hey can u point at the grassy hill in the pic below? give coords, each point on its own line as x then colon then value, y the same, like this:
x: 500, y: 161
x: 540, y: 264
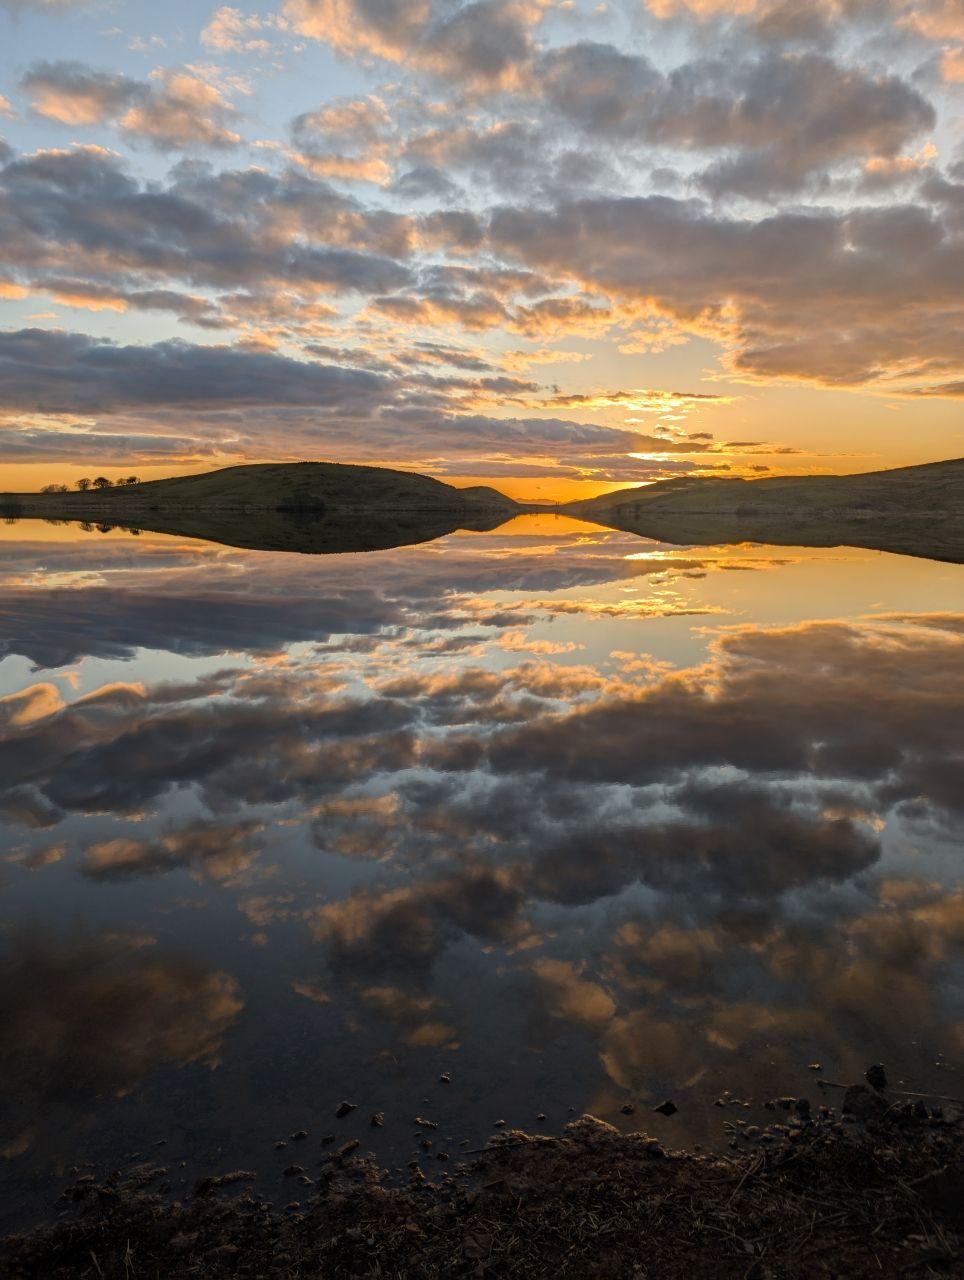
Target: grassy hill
x: 935, y: 485
x: 298, y: 486
x: 314, y: 507
x: 911, y: 510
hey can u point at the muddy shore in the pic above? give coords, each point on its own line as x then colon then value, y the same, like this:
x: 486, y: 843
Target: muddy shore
x: 870, y: 1186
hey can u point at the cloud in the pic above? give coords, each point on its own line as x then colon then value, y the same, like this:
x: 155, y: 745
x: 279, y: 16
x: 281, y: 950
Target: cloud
x: 216, y: 852
x: 484, y: 43
x: 181, y: 110
x: 230, y: 30
x: 47, y: 371
x: 175, y: 110
x: 72, y: 93
x: 348, y: 138
x: 78, y: 212
x: 91, y: 1016
x: 834, y: 297
x: 790, y: 116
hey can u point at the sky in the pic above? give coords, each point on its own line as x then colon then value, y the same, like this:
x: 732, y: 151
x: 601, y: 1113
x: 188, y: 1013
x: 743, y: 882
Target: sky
x: 556, y: 246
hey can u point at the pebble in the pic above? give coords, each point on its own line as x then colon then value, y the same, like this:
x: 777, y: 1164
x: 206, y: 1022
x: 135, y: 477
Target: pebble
x: 627, y: 1108
x: 293, y: 1171
x: 445, y: 1078
x: 345, y: 1109
x: 378, y: 1120
x: 299, y: 1136
x: 667, y: 1108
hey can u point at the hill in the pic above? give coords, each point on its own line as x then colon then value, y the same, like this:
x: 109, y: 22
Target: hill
x: 314, y: 507
x: 298, y: 486
x: 912, y: 510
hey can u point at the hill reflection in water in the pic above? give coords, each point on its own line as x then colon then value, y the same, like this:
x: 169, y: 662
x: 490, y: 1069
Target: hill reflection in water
x: 582, y: 819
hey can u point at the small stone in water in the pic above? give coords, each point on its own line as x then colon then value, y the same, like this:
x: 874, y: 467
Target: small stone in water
x: 667, y: 1108
x: 627, y: 1108
x: 378, y: 1119
x: 345, y: 1109
x: 299, y: 1136
x: 876, y: 1076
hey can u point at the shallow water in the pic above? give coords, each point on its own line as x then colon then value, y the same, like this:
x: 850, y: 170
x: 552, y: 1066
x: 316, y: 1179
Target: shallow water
x: 581, y: 819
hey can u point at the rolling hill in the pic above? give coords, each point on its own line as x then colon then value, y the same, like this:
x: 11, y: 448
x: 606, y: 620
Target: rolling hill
x: 313, y: 507
x: 911, y: 510
x: 297, y: 486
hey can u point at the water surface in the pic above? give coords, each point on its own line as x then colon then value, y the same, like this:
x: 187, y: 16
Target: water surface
x: 581, y: 819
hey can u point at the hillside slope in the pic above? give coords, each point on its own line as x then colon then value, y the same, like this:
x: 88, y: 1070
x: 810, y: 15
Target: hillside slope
x: 298, y: 486
x: 314, y: 507
x: 925, y: 489
x: 911, y: 510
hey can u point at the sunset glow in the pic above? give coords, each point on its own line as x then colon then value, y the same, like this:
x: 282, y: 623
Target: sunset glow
x: 555, y: 246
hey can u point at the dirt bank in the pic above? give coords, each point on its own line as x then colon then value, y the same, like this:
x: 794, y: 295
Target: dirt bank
x: 876, y: 1189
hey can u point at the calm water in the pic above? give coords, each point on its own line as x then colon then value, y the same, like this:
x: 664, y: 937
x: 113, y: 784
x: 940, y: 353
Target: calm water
x: 581, y: 819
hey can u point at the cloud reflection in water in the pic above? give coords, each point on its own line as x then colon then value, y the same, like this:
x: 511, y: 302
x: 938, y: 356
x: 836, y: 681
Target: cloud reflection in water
x: 651, y: 853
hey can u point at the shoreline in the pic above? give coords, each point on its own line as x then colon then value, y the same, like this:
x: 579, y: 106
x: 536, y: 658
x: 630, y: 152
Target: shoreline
x: 874, y: 1188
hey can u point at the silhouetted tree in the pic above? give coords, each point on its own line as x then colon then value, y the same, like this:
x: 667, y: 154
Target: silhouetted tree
x: 83, y: 485
x: 101, y: 482
x: 54, y: 488
x: 133, y: 480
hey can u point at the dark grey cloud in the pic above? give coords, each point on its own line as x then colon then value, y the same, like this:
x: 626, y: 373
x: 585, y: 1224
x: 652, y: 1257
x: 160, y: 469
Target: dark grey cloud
x: 48, y: 371
x: 425, y: 182
x: 54, y: 628
x: 787, y: 116
x: 80, y: 213
x: 314, y: 745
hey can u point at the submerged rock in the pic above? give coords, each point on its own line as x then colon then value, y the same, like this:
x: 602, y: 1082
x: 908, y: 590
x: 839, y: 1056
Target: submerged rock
x: 876, y: 1076
x: 860, y: 1103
